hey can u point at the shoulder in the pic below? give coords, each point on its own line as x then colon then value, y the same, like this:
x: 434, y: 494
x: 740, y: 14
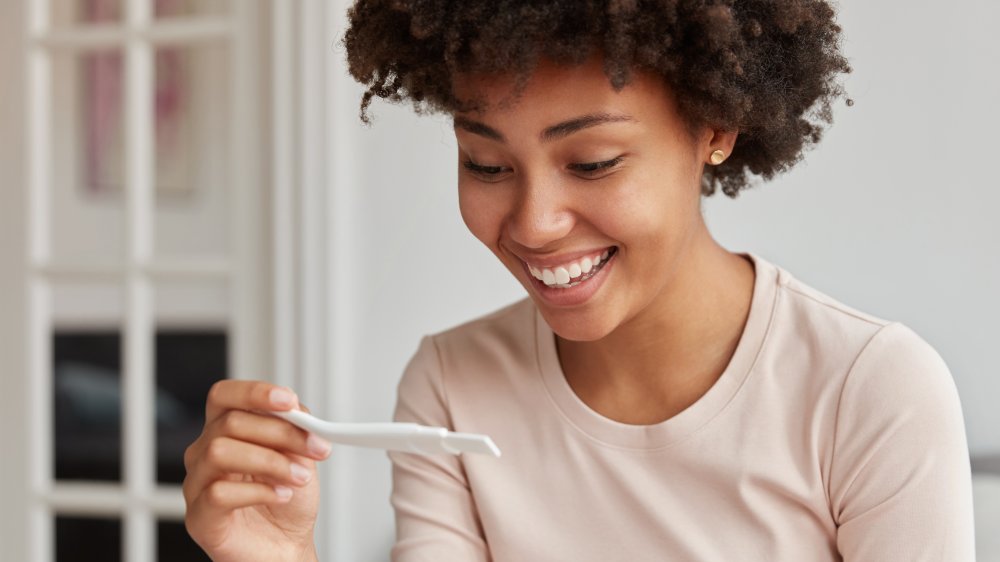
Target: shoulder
x: 507, y: 331
x: 812, y: 332
x: 497, y: 321
x: 850, y: 360
x: 503, y: 335
x: 870, y: 343
x: 896, y: 456
x: 883, y: 392
x: 816, y: 310
x: 480, y: 356
x: 900, y: 373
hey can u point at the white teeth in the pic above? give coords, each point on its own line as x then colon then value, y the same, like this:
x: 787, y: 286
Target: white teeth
x: 562, y: 276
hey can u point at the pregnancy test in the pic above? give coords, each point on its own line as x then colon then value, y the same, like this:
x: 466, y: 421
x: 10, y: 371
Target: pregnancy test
x: 395, y: 436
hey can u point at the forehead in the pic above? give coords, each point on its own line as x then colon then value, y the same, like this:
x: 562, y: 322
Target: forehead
x: 554, y: 90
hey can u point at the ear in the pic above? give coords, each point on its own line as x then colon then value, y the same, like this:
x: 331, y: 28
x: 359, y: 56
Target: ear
x: 719, y: 139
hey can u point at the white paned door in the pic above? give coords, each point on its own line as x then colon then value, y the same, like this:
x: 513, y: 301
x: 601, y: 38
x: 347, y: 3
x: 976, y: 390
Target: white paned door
x: 131, y: 238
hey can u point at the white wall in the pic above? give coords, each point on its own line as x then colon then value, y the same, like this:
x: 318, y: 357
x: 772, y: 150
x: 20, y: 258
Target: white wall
x: 13, y: 296
x: 894, y: 214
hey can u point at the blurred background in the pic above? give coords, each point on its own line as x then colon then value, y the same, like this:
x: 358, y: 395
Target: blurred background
x: 187, y: 194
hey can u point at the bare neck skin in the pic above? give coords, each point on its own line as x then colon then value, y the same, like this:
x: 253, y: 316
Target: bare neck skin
x: 665, y: 358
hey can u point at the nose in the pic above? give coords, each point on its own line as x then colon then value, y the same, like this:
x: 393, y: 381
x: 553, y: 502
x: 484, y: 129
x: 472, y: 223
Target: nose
x: 540, y: 215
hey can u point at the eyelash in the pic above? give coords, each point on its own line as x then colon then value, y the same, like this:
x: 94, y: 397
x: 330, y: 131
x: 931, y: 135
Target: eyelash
x: 481, y: 170
x: 594, y: 167
x: 586, y: 169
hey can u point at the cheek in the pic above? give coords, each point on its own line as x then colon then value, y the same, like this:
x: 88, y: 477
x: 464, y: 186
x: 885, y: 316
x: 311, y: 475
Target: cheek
x: 482, y: 215
x: 647, y: 209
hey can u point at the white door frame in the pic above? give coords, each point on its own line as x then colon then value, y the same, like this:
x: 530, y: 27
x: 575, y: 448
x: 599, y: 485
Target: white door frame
x: 313, y: 283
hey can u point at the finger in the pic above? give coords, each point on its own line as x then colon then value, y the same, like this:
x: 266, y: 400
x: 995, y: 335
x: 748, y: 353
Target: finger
x: 247, y: 395
x: 268, y: 431
x: 218, y: 500
x: 223, y: 456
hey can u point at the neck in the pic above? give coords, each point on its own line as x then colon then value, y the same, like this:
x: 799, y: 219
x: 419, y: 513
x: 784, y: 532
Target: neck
x: 666, y: 357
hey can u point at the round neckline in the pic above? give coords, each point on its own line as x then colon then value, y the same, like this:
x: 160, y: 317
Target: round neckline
x: 683, y: 424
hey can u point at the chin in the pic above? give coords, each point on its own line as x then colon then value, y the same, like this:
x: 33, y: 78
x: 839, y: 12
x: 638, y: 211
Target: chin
x: 582, y: 325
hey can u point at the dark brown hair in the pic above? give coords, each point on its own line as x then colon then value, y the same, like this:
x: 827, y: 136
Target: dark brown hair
x: 766, y: 68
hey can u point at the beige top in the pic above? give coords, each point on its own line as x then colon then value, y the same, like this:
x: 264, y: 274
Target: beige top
x: 831, y: 435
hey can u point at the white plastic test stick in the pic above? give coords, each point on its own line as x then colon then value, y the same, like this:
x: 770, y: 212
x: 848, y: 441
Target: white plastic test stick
x: 405, y: 437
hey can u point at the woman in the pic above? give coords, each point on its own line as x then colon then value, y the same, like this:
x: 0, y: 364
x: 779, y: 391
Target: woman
x: 656, y: 396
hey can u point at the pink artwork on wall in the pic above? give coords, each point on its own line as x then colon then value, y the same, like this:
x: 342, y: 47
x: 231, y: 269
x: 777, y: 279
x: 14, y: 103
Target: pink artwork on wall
x: 103, y: 92
x: 102, y: 103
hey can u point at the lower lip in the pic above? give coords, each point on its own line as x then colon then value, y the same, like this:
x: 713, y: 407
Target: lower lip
x: 573, y: 296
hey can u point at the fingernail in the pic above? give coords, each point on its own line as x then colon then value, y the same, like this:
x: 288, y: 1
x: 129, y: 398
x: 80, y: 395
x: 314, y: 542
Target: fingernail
x: 284, y: 493
x: 282, y: 398
x: 300, y: 473
x: 318, y: 446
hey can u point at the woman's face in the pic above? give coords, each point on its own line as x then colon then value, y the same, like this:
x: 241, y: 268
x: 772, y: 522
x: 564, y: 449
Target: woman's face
x: 595, y: 192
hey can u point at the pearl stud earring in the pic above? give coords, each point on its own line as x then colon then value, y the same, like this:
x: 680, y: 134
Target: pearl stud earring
x: 717, y: 157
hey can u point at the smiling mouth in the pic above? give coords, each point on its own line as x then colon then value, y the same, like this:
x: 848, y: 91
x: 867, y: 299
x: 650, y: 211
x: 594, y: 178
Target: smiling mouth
x: 572, y: 274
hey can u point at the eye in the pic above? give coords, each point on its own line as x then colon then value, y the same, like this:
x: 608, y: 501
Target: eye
x: 592, y: 169
x: 488, y: 173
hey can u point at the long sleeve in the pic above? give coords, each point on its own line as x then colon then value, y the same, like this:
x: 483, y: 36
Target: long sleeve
x: 436, y: 519
x: 900, y: 484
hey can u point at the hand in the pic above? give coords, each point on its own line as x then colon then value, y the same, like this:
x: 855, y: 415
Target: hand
x: 251, y: 488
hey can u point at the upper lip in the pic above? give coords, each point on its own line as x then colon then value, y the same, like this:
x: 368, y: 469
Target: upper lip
x: 549, y: 261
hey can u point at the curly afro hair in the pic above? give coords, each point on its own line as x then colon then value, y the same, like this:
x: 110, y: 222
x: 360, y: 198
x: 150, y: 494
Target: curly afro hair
x: 766, y: 68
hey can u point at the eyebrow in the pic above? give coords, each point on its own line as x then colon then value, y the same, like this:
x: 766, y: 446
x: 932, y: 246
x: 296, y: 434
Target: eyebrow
x: 557, y: 131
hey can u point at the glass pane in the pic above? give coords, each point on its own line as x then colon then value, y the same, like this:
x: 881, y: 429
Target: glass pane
x: 86, y: 370
x: 75, y: 12
x: 88, y: 169
x: 187, y: 8
x: 192, y: 353
x: 80, y: 539
x: 192, y: 103
x: 188, y: 362
x: 173, y: 544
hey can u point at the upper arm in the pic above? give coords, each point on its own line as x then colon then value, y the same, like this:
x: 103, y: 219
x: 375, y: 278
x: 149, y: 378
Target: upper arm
x: 900, y: 483
x: 436, y: 518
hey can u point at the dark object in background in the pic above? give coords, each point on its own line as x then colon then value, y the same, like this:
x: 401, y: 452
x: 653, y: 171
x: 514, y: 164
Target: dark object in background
x: 84, y: 539
x: 86, y: 371
x: 87, y: 399
x: 174, y: 544
x: 187, y: 364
